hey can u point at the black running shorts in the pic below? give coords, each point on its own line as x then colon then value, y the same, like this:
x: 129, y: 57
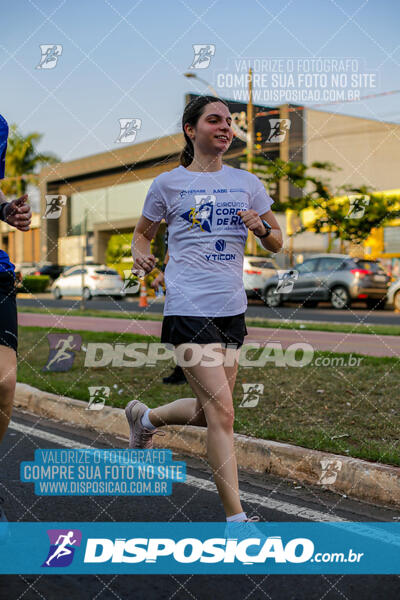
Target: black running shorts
x: 204, y: 330
x: 8, y: 311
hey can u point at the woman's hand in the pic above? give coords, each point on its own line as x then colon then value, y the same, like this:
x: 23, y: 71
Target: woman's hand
x: 252, y: 221
x: 18, y: 213
x: 159, y: 280
x: 144, y: 263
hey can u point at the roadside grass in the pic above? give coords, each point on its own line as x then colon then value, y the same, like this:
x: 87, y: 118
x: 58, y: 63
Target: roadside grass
x: 348, y: 410
x: 250, y: 321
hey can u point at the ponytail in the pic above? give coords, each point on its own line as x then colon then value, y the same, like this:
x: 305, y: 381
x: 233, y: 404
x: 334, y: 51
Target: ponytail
x: 187, y: 154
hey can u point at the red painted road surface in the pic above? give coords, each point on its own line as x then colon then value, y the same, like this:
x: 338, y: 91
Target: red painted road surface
x: 360, y: 343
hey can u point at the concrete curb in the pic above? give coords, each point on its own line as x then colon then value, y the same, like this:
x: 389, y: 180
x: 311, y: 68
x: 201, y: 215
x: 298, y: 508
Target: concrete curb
x: 371, y: 482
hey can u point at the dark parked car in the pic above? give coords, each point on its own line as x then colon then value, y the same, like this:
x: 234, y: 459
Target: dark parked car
x: 52, y: 270
x: 336, y: 278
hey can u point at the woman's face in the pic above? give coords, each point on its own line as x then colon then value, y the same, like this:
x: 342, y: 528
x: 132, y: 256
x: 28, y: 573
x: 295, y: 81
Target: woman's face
x: 213, y: 133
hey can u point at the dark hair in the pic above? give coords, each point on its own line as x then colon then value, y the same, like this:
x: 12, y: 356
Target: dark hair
x: 193, y: 111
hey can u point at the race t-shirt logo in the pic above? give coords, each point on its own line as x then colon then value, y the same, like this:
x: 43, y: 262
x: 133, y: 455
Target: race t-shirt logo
x: 201, y: 215
x: 61, y: 551
x: 220, y: 246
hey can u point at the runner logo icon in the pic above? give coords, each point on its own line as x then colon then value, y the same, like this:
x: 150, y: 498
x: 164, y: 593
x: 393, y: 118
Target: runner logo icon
x: 54, y: 206
x: 279, y: 129
x: 62, y: 351
x: 50, y: 55
x: 128, y: 130
x: 286, y: 281
x: 202, y: 55
x: 98, y: 396
x: 61, y: 551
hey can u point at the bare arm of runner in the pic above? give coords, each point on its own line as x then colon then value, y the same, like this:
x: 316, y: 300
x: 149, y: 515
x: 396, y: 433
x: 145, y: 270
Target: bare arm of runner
x: 159, y: 280
x: 144, y: 232
x: 252, y: 220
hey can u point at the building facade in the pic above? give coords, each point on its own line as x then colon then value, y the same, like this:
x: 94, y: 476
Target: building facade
x: 104, y: 194
x: 22, y: 246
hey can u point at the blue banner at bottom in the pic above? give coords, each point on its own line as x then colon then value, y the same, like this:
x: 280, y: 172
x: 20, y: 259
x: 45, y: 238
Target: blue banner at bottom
x: 200, y: 548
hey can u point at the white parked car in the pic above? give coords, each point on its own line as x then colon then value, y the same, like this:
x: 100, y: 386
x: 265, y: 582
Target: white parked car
x: 26, y: 268
x: 99, y: 280
x: 393, y: 295
x: 256, y: 271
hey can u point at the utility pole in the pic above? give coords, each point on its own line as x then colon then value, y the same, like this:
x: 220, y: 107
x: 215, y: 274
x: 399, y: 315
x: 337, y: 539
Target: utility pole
x: 250, y: 125
x: 284, y: 187
x: 250, y: 147
x: 84, y: 248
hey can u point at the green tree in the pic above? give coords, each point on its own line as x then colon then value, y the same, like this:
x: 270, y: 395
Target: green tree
x: 334, y: 206
x: 119, y: 247
x: 23, y: 162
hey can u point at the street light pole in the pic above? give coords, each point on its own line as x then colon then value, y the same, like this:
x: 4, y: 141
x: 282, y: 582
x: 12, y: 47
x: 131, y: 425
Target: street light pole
x: 84, y: 245
x: 250, y: 149
x: 250, y: 125
x: 194, y: 76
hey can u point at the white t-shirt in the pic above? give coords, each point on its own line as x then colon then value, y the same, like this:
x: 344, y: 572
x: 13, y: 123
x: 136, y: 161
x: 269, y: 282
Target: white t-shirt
x: 206, y: 237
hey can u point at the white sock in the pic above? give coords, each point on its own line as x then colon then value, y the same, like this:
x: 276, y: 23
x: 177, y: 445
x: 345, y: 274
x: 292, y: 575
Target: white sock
x: 239, y: 517
x: 145, y: 421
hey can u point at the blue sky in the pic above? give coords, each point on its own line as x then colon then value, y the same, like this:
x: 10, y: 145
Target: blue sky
x: 125, y: 59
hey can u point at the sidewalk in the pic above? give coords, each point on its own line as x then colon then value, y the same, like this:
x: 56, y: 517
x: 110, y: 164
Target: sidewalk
x: 356, y: 343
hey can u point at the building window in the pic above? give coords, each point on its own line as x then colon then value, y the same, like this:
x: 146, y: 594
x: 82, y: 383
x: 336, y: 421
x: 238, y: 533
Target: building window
x: 391, y: 240
x: 105, y: 205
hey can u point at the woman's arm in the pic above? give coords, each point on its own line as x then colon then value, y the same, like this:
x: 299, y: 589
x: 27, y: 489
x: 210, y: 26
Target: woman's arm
x: 252, y: 220
x: 144, y: 232
x: 274, y: 242
x: 159, y: 280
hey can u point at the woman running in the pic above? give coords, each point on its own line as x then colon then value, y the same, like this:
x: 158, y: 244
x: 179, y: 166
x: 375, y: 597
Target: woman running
x: 208, y: 208
x: 18, y: 214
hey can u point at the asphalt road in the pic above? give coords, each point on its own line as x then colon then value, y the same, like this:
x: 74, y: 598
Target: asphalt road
x: 292, y: 312
x: 269, y: 497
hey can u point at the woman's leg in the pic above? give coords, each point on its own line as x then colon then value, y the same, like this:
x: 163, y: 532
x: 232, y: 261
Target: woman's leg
x: 184, y: 411
x: 228, y: 484
x: 189, y: 411
x: 231, y: 369
x: 214, y: 390
x: 231, y: 364
x: 8, y: 376
x: 212, y: 408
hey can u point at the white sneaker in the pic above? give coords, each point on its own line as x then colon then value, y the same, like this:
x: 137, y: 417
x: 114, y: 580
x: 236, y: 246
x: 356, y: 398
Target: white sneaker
x: 241, y: 530
x: 139, y: 436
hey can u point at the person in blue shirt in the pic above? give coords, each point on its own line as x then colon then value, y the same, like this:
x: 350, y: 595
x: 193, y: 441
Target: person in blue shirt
x: 16, y: 213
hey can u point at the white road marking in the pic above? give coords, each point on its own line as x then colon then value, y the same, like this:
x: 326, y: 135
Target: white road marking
x: 204, y: 484
x: 44, y: 435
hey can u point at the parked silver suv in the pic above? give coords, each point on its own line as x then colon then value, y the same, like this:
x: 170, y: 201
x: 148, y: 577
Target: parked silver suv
x: 337, y: 278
